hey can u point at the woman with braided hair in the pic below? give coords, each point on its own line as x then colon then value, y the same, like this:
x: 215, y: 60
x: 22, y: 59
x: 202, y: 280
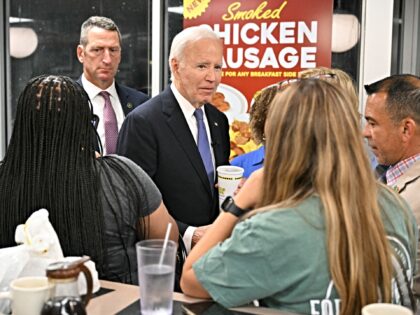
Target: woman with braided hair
x: 98, y: 206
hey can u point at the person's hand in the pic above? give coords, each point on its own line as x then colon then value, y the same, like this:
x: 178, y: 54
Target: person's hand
x: 250, y: 193
x: 198, y: 234
x: 241, y: 183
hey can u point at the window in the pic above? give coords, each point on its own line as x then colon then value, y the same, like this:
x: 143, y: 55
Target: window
x: 56, y: 25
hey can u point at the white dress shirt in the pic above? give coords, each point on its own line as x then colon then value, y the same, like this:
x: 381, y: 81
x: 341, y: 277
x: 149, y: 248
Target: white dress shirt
x: 98, y: 103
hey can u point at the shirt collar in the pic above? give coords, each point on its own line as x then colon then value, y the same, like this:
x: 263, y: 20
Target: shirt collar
x: 187, y: 108
x: 396, y: 171
x: 92, y: 90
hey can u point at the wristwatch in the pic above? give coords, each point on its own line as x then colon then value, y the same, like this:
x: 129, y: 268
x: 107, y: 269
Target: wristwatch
x: 228, y: 205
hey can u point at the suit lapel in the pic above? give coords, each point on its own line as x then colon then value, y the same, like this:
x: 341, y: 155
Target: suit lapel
x: 410, y: 176
x: 123, y: 96
x: 179, y: 127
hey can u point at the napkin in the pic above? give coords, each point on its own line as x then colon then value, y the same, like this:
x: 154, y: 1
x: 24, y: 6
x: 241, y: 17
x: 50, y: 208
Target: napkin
x: 41, y: 243
x: 39, y: 247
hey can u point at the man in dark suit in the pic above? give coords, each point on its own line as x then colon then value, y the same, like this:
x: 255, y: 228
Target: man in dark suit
x: 100, y: 53
x: 179, y: 151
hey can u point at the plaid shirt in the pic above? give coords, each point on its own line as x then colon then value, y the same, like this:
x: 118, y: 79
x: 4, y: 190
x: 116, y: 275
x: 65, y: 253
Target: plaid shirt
x: 394, y: 172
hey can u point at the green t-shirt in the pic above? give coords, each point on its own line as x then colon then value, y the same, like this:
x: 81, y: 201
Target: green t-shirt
x: 280, y: 258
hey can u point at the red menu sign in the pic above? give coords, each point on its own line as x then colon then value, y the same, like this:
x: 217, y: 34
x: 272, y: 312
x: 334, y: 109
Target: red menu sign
x: 264, y: 41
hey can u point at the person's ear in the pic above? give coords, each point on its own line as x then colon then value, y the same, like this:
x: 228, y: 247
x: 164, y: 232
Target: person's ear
x: 80, y: 53
x: 174, y: 67
x: 408, y: 128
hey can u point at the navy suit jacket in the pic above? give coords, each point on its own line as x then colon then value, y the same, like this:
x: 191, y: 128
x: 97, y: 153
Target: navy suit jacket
x: 156, y: 136
x: 129, y: 97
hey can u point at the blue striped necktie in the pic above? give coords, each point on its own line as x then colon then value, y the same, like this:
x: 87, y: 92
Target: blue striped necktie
x: 204, y: 146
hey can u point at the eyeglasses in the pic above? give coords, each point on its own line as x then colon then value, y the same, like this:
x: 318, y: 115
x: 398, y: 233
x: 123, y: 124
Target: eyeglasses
x: 323, y: 76
x: 283, y: 84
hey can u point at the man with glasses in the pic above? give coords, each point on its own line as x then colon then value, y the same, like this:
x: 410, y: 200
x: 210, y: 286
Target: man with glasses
x: 100, y: 53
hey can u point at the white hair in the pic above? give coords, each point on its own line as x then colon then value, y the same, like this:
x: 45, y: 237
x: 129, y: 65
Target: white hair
x: 186, y: 36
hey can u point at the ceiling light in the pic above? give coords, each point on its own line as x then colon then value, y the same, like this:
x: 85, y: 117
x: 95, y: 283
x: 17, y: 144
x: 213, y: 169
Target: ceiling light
x: 345, y: 32
x: 23, y: 42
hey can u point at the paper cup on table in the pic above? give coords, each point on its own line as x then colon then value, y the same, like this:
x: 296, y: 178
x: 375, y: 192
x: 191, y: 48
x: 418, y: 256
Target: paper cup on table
x: 228, y: 179
x: 156, y: 276
x: 28, y: 295
x: 385, y: 309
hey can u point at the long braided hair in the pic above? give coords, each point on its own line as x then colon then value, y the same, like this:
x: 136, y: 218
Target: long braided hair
x: 50, y: 163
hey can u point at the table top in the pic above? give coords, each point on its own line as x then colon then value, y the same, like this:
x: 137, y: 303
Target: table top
x: 120, y: 296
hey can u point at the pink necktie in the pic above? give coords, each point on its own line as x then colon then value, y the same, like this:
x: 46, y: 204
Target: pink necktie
x: 110, y: 125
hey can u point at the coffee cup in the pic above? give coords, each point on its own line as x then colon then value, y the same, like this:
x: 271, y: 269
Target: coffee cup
x: 228, y: 179
x: 385, y: 309
x: 28, y: 295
